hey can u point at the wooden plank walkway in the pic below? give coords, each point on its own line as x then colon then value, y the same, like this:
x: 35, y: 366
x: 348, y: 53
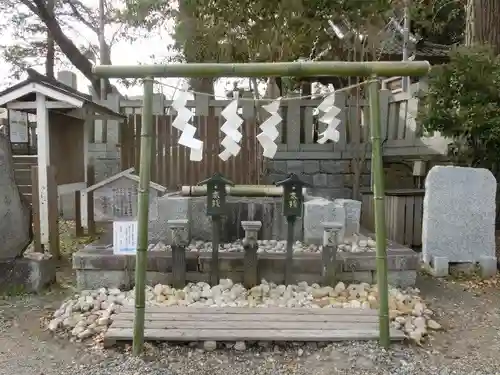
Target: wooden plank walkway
x: 248, y: 324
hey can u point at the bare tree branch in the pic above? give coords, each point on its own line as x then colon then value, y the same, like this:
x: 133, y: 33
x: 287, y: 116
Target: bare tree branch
x: 65, y: 44
x: 92, y: 25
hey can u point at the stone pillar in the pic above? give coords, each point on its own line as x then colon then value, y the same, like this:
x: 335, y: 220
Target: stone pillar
x: 352, y: 216
x: 331, y: 234
x: 179, y: 240
x: 250, y: 273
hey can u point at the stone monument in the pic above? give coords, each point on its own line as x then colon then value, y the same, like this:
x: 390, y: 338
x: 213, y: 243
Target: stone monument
x: 459, y: 219
x: 318, y: 211
x: 19, y: 271
x: 15, y: 215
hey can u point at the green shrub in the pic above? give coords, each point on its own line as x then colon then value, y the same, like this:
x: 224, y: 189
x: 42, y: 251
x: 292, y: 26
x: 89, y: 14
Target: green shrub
x: 463, y: 103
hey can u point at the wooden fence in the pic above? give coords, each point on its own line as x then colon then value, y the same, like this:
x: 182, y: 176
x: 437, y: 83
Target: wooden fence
x: 298, y: 136
x: 403, y: 213
x: 171, y: 166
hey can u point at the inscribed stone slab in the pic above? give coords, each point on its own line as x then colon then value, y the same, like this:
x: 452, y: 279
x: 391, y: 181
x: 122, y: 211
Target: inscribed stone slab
x: 459, y: 214
x: 118, y: 200
x: 316, y: 212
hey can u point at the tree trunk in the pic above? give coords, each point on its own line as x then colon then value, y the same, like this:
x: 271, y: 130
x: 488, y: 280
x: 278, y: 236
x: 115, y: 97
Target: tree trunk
x: 51, y: 53
x: 194, y: 43
x: 66, y: 45
x: 482, y: 26
x: 205, y: 85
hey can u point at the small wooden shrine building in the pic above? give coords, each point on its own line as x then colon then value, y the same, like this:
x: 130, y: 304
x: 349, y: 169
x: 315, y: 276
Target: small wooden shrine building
x: 63, y: 121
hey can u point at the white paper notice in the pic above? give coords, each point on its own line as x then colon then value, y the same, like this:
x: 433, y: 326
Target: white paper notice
x: 269, y: 132
x: 124, y: 237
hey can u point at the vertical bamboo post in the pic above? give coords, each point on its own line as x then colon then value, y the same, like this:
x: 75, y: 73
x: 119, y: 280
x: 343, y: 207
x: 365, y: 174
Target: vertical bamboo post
x: 378, y: 201
x: 142, y: 217
x: 250, y: 262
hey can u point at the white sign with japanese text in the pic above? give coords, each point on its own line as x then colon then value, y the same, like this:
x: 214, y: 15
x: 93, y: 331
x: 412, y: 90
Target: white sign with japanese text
x: 124, y: 237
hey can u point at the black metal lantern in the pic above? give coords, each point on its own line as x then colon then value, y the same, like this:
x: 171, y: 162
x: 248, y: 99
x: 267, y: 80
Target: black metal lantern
x: 216, y: 194
x: 292, y: 195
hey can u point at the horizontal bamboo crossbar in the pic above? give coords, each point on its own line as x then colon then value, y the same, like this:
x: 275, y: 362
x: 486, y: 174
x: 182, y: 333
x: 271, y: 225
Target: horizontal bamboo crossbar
x: 290, y: 69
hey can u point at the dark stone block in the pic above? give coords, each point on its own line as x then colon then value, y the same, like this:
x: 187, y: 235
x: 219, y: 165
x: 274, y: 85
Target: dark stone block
x: 26, y: 275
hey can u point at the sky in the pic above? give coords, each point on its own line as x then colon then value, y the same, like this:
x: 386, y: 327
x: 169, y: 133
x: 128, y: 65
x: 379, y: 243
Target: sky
x: 122, y: 53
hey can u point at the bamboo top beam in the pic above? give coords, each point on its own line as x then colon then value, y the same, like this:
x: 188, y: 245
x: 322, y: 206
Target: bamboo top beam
x: 291, y: 69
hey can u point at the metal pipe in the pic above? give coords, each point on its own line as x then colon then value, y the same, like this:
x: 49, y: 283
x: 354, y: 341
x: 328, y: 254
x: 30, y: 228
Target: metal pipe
x: 238, y: 191
x: 291, y: 69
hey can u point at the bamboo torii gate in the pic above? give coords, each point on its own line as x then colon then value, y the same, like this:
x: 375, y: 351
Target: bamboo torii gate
x: 291, y: 69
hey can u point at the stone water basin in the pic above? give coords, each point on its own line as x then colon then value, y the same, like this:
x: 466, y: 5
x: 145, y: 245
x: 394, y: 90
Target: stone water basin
x: 97, y: 266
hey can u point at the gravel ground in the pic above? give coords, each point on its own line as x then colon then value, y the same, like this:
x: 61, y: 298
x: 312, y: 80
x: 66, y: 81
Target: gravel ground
x: 469, y: 346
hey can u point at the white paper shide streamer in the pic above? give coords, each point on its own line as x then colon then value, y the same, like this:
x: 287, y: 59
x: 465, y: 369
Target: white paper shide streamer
x: 181, y: 122
x: 231, y: 131
x: 269, y: 132
x: 329, y: 117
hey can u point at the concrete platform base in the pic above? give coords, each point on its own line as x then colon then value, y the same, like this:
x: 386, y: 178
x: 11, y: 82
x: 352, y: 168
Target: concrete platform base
x: 441, y: 267
x: 28, y: 274
x: 99, y: 267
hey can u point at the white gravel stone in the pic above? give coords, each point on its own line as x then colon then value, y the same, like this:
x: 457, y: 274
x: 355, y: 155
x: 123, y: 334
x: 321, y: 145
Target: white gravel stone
x: 91, y: 312
x: 240, y: 346
x: 354, y: 244
x: 209, y: 346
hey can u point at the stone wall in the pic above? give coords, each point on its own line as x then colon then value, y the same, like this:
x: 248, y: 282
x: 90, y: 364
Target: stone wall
x: 106, y: 160
x: 329, y: 178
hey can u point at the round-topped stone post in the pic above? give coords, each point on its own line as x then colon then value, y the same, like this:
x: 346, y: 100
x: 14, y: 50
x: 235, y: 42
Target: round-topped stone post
x: 331, y: 231
x: 293, y: 200
x: 179, y: 241
x: 250, y: 245
x: 216, y: 208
